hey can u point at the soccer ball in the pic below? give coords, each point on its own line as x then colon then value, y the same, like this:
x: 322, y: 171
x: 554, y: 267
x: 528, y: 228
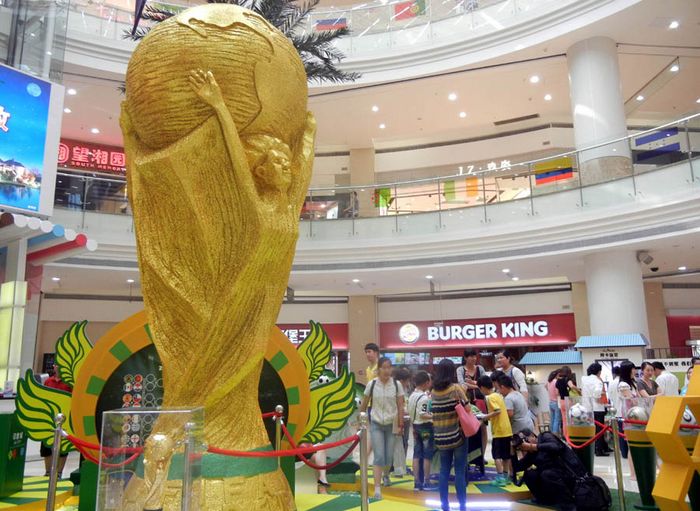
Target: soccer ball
x: 323, y: 379
x: 638, y: 413
x: 688, y: 417
x: 578, y: 414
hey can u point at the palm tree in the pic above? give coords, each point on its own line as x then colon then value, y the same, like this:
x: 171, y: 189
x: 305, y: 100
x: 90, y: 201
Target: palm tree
x: 320, y: 57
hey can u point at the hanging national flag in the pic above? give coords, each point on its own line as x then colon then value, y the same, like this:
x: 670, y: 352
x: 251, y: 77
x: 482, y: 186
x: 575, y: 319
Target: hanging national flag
x: 550, y: 171
x: 331, y: 24
x: 472, y: 186
x: 408, y: 10
x: 448, y: 191
x: 382, y: 196
x: 658, y: 147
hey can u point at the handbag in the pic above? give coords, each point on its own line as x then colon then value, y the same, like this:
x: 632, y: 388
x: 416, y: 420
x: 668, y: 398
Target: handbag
x: 467, y: 420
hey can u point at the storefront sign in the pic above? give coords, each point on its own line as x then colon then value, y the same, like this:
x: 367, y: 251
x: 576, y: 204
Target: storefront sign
x: 84, y: 155
x: 510, y: 331
x: 609, y: 353
x: 338, y: 333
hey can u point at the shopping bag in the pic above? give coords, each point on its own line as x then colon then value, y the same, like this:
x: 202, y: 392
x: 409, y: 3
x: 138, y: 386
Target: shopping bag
x: 470, y: 424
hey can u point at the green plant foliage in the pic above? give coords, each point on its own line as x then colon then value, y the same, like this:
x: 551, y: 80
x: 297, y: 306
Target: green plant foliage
x: 71, y: 351
x: 316, y: 49
x: 315, y: 351
x: 36, y: 408
x: 331, y: 406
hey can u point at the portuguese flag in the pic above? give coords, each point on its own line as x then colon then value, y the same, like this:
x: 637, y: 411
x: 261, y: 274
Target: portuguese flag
x: 408, y: 10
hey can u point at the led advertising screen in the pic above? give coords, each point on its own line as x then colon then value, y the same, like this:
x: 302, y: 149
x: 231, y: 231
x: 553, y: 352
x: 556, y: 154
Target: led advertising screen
x: 30, y: 126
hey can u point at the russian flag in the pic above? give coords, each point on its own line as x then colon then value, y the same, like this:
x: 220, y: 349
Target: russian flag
x: 551, y: 171
x: 331, y: 24
x: 660, y: 146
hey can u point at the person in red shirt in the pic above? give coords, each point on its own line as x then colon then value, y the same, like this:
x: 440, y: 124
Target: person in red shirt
x: 54, y: 382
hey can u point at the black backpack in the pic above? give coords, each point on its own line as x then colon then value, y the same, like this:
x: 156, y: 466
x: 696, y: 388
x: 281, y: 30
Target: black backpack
x: 590, y: 492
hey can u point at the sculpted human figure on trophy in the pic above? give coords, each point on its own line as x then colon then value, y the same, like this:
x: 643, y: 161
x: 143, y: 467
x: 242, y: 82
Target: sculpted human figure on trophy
x: 219, y: 153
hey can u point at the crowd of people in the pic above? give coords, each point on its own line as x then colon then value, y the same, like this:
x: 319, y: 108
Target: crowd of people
x: 399, y: 402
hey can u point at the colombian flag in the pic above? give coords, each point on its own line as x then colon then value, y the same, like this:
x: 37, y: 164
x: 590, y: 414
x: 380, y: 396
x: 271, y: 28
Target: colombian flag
x: 408, y: 10
x: 550, y: 171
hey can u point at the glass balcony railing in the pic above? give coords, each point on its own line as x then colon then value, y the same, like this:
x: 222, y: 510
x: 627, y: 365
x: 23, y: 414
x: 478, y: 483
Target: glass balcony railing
x: 375, y: 26
x: 650, y: 166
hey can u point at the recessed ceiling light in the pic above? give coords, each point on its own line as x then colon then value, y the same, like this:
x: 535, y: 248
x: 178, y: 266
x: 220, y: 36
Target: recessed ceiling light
x: 505, y: 270
x: 682, y: 268
x: 375, y: 108
x: 697, y: 100
x: 356, y: 280
x: 674, y: 25
x: 56, y: 279
x: 71, y: 92
x: 514, y: 279
x: 428, y: 277
x: 130, y: 281
x: 382, y: 126
x: 534, y: 79
x: 463, y: 114
x: 452, y: 96
x: 640, y: 98
x: 548, y: 97
x: 675, y: 68
x: 94, y: 131
x: 67, y: 110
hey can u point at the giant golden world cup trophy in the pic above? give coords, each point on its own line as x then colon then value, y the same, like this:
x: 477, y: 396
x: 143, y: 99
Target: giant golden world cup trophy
x: 219, y: 151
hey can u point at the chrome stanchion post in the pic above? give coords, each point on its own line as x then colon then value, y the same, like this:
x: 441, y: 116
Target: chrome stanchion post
x: 279, y: 409
x: 618, y: 460
x: 364, y: 465
x: 55, y: 458
x: 187, y: 468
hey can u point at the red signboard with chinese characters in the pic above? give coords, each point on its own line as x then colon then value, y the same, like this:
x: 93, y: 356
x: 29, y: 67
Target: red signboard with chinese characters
x: 338, y: 333
x: 84, y: 155
x: 545, y: 329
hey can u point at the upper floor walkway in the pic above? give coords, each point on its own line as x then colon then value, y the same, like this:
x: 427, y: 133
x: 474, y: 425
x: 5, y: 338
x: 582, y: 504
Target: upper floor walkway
x: 507, y: 209
x: 389, y: 40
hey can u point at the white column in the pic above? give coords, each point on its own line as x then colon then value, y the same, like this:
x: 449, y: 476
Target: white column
x: 615, y: 294
x: 597, y: 105
x: 362, y: 173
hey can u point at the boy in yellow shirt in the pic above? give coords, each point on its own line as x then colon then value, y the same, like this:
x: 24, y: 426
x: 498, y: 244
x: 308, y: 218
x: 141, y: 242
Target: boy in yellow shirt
x: 500, y: 429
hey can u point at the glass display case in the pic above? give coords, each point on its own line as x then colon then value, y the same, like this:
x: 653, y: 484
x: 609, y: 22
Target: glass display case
x: 150, y: 459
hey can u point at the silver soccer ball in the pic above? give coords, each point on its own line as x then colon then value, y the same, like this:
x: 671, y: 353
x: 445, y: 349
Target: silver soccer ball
x: 578, y: 414
x: 688, y: 417
x: 638, y: 413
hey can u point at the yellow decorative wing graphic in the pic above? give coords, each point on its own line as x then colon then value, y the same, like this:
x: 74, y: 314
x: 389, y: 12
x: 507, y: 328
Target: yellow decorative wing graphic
x: 36, y: 408
x: 331, y: 406
x: 71, y: 351
x: 315, y: 351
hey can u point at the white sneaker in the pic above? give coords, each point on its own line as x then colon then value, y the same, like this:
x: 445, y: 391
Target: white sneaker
x: 377, y: 494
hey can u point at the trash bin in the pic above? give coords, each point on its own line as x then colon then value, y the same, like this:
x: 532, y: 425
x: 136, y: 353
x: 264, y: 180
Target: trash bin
x: 13, y: 449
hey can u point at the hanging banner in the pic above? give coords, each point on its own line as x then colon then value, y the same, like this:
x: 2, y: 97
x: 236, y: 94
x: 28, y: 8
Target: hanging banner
x: 297, y: 332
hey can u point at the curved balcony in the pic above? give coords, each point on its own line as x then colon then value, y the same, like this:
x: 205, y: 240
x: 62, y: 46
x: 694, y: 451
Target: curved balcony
x: 504, y: 205
x: 402, y: 36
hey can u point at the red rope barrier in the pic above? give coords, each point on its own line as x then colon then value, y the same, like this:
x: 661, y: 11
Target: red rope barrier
x: 312, y: 465
x: 267, y: 415
x: 644, y: 423
x: 587, y: 442
x: 110, y: 451
x: 287, y: 452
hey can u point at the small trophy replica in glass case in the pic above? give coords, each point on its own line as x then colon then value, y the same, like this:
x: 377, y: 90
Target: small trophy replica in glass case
x: 150, y: 459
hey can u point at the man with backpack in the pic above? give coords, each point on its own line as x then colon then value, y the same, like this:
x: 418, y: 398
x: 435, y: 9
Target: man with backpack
x: 556, y: 476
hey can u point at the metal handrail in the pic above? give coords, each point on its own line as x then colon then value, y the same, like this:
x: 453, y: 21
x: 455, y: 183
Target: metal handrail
x: 429, y: 180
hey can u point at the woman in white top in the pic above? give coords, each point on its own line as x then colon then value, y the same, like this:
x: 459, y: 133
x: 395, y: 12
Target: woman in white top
x: 627, y: 395
x: 387, y: 397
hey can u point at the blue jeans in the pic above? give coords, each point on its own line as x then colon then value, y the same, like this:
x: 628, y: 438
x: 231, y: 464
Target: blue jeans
x: 459, y: 454
x: 555, y: 417
x: 382, y: 444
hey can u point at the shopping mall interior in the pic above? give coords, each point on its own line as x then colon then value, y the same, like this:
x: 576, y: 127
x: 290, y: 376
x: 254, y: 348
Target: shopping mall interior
x: 501, y: 174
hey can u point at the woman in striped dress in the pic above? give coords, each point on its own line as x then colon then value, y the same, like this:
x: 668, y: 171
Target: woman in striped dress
x: 449, y: 439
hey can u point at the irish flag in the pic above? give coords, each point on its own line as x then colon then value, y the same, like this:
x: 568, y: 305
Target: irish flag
x: 408, y: 10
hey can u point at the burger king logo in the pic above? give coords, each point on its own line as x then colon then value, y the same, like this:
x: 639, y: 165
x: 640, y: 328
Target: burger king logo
x: 409, y: 333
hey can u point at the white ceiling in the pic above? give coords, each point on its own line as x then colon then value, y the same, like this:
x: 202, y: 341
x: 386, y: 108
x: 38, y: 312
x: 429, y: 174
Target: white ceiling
x: 418, y: 111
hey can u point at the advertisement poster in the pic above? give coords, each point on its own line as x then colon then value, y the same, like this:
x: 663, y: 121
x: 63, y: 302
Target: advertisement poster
x: 24, y: 116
